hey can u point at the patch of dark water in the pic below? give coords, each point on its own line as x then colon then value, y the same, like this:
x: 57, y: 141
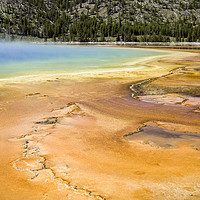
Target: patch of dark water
x: 163, y: 138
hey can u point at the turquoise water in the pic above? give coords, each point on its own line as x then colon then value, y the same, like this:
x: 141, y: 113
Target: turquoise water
x: 19, y: 59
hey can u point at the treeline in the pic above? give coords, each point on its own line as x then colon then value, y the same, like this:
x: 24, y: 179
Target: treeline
x: 85, y: 29
x: 99, y: 20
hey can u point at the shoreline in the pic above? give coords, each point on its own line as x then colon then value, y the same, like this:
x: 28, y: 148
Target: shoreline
x: 185, y: 45
x: 137, y: 61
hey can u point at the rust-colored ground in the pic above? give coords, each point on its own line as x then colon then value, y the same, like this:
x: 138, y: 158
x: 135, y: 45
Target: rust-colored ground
x: 63, y: 138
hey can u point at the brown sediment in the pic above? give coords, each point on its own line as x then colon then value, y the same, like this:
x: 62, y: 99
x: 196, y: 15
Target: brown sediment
x: 77, y: 149
x: 170, y: 83
x: 180, y: 87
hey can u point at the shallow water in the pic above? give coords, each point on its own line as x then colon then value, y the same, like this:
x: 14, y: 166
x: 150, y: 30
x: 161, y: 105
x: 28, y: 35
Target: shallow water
x: 17, y: 59
x: 160, y: 137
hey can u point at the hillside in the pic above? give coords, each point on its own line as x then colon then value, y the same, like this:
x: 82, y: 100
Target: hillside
x: 100, y: 20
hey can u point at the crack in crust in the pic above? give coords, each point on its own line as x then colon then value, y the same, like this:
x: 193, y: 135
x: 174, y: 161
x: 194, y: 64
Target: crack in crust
x: 32, y: 159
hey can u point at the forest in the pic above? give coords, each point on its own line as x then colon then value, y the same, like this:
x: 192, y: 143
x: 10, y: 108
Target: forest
x: 100, y: 20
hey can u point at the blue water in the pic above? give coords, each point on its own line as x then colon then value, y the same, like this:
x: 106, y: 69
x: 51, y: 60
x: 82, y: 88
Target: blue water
x: 18, y: 59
